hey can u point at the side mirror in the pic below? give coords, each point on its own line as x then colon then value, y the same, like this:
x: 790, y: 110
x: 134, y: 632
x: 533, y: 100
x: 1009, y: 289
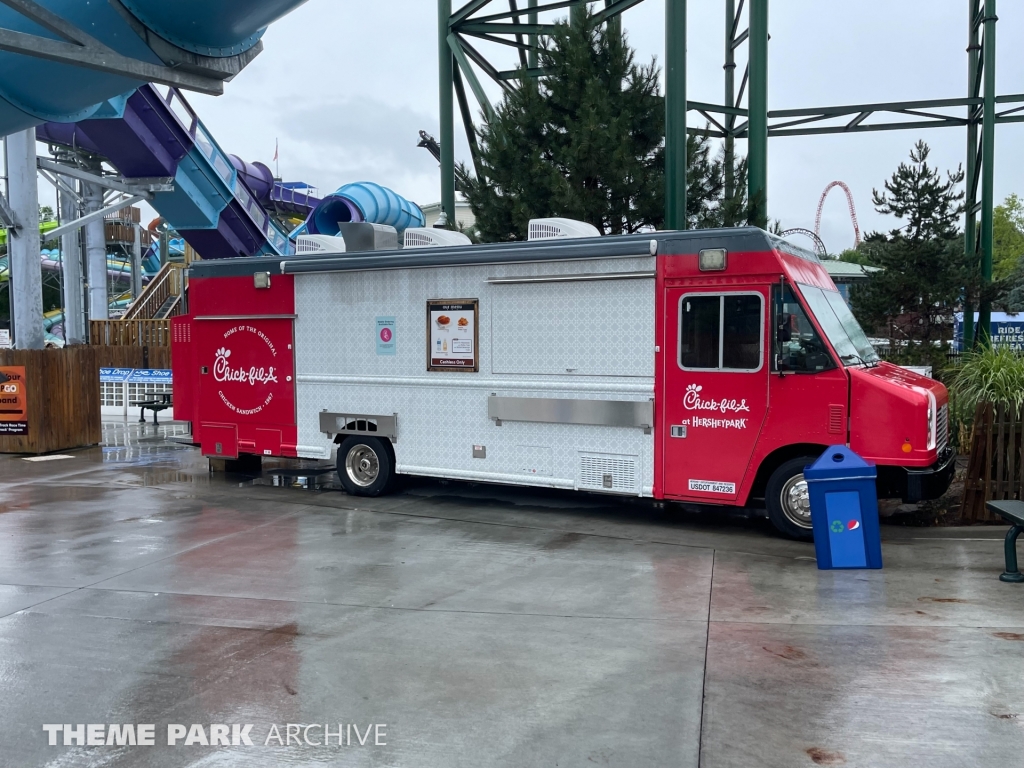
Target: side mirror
x: 782, y: 331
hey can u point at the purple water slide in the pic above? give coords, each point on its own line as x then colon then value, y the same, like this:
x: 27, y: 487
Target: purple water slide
x: 271, y: 193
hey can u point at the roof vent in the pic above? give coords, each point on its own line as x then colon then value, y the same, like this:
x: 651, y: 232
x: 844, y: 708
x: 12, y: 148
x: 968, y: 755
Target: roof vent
x: 307, y: 244
x: 363, y: 236
x: 557, y: 229
x: 420, y: 237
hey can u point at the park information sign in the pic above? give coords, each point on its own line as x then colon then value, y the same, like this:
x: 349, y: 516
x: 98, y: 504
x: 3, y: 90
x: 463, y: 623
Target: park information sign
x: 1007, y: 330
x: 13, y: 401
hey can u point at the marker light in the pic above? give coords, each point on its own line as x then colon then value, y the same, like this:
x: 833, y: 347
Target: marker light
x: 712, y: 259
x: 907, y: 447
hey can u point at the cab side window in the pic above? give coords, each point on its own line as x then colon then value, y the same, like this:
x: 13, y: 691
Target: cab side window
x: 721, y: 332
x: 798, y: 347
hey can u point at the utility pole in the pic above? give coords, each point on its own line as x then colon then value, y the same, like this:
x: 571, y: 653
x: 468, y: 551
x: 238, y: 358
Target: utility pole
x: 26, y: 269
x: 757, y: 127
x: 675, y: 114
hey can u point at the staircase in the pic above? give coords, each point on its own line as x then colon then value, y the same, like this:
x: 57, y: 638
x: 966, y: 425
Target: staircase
x: 161, y: 297
x: 147, y: 321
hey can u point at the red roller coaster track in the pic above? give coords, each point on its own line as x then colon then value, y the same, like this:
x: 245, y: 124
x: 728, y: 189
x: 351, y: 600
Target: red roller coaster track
x: 853, y: 210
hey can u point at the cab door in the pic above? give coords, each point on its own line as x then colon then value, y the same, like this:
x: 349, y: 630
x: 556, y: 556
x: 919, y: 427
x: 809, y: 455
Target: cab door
x: 715, y: 393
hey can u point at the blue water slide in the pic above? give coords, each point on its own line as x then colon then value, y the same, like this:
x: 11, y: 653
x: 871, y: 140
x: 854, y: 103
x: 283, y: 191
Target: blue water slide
x: 362, y: 201
x: 35, y: 90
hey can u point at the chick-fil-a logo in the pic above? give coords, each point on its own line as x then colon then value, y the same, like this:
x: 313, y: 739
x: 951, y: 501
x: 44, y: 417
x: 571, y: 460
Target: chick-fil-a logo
x: 248, y: 376
x: 692, y: 401
x: 222, y: 371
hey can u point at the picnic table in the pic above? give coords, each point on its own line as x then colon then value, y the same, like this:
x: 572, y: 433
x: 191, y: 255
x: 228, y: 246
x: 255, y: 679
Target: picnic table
x: 1012, y: 512
x: 160, y: 401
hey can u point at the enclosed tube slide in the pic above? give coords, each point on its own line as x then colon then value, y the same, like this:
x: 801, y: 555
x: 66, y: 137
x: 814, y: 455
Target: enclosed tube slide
x: 362, y: 201
x: 35, y: 90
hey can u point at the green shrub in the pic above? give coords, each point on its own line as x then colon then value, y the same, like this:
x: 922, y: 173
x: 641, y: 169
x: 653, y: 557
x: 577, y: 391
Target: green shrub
x: 993, y: 375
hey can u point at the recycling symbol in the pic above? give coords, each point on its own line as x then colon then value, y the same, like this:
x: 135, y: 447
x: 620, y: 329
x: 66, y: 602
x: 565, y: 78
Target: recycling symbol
x: 837, y: 526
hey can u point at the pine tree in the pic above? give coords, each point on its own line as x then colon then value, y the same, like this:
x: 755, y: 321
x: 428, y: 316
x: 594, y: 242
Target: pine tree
x: 588, y: 142
x: 923, y: 266
x: 917, y: 193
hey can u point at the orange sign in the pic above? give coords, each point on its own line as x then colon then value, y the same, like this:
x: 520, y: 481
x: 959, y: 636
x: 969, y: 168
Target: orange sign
x: 13, y: 401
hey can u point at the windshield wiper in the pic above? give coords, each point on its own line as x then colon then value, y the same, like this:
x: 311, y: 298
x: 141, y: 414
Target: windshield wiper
x: 859, y: 359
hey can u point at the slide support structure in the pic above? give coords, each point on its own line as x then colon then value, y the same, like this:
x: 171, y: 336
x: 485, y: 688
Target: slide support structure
x: 71, y: 265
x: 26, y: 285
x: 95, y: 253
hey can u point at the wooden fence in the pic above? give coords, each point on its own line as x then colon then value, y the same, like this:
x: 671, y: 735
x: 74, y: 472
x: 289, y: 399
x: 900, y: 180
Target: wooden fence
x: 996, y: 466
x: 62, y: 389
x: 130, y: 333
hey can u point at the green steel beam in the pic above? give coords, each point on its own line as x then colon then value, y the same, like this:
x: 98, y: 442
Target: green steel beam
x: 504, y: 28
x: 757, y: 103
x: 514, y: 13
x: 446, y: 78
x: 467, y: 123
x: 531, y: 57
x: 615, y: 19
x: 731, y: 23
x: 988, y: 143
x: 675, y: 114
x: 466, y: 11
x: 614, y: 9
x: 971, y: 193
x: 460, y: 56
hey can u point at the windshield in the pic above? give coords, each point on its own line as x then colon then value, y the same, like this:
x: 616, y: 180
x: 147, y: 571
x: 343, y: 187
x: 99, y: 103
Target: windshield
x: 841, y: 327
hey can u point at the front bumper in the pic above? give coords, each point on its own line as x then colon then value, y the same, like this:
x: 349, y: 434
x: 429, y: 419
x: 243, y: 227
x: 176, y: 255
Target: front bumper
x: 913, y: 484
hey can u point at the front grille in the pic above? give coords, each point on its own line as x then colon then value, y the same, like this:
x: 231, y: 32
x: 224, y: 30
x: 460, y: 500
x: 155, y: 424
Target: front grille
x: 942, y: 429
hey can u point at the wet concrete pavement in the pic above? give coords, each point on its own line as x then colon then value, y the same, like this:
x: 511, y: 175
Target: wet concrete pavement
x: 481, y: 626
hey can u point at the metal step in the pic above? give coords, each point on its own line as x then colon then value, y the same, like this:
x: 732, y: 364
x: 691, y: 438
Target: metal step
x: 166, y: 308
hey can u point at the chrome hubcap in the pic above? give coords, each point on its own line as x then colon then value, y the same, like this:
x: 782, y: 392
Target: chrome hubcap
x: 796, y: 501
x: 361, y: 465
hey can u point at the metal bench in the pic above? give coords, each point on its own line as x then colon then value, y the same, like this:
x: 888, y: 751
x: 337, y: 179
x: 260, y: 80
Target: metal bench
x: 161, y: 402
x: 1013, y: 513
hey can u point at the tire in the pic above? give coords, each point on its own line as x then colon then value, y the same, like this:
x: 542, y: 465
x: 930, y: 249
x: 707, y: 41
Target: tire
x: 365, y: 466
x: 787, y: 500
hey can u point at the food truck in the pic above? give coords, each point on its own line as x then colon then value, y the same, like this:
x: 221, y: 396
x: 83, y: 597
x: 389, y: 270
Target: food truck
x: 707, y: 367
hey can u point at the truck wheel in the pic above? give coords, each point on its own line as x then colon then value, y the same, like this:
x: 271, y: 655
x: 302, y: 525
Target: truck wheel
x: 787, y: 499
x: 364, y: 466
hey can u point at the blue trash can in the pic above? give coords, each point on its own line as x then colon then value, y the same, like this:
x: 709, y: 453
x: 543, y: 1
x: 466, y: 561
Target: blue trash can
x: 844, y: 510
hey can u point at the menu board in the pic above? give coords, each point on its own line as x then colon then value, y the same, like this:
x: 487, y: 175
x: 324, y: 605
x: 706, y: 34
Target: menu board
x: 452, y: 335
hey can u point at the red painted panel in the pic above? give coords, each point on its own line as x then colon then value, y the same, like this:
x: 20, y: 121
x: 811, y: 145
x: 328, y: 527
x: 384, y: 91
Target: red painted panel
x: 183, y: 369
x: 247, y: 378
x: 889, y: 410
x: 220, y: 440
x: 237, y: 296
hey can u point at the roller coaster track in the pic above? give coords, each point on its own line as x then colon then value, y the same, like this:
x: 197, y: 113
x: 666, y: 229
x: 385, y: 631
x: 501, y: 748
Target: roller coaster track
x: 819, y: 246
x: 849, y: 200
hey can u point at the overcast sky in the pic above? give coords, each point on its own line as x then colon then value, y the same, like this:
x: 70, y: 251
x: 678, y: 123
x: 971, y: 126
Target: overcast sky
x: 346, y: 86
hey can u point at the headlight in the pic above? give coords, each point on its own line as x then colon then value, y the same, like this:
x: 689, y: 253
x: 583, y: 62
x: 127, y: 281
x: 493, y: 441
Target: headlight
x: 932, y: 422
